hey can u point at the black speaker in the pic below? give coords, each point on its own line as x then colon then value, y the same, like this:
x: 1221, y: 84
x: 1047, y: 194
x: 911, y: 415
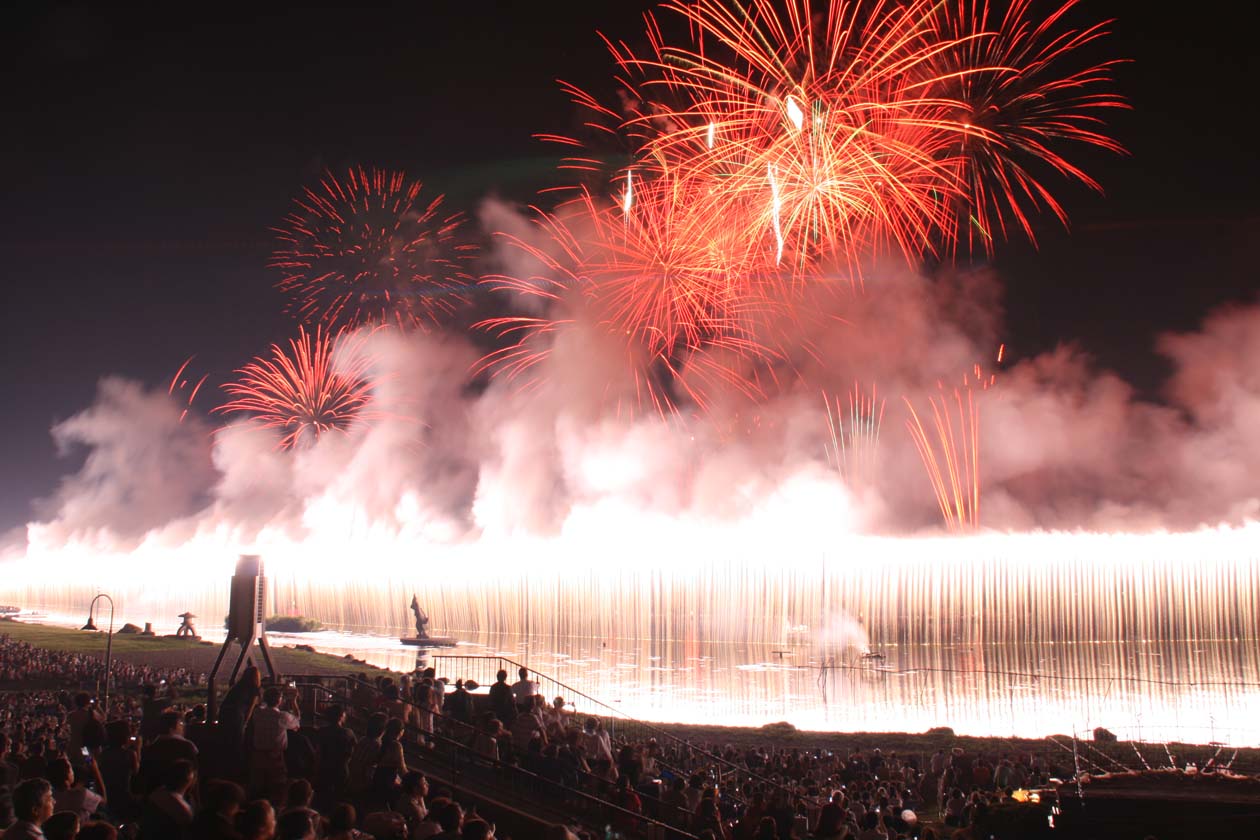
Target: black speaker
x: 248, y: 599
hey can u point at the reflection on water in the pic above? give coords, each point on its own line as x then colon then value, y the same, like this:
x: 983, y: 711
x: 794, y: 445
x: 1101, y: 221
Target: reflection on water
x: 1153, y: 637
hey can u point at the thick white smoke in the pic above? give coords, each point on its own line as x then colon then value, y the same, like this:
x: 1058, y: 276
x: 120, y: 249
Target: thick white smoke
x: 448, y: 458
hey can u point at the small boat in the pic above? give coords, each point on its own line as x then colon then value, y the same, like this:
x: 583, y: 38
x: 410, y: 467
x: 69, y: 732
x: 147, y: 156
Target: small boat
x: 7, y: 610
x: 430, y: 641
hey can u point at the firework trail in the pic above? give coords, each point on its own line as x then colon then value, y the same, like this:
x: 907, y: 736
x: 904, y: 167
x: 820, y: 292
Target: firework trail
x: 854, y: 443
x: 180, y: 383
x: 950, y: 448
x: 1017, y: 101
x: 365, y: 249
x: 321, y: 383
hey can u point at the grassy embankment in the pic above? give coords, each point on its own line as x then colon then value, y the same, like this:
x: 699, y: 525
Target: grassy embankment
x: 162, y: 652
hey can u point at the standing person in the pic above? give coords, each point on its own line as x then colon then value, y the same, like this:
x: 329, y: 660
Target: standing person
x: 272, y: 724
x: 391, y: 766
x: 151, y: 708
x: 459, y: 704
x: 523, y: 691
x: 83, y: 720
x: 169, y: 746
x: 501, y: 702
x: 336, y: 745
x: 363, y: 758
x: 234, y: 716
x: 32, y: 805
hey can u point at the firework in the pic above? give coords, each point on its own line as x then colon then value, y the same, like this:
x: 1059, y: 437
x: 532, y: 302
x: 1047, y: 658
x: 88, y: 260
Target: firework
x: 839, y: 129
x: 854, y: 442
x: 320, y: 383
x: 179, y: 383
x: 366, y: 249
x: 950, y: 447
x: 1018, y: 100
x: 657, y: 273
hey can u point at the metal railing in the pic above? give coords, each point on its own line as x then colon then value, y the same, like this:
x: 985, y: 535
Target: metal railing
x: 448, y: 750
x: 620, y: 725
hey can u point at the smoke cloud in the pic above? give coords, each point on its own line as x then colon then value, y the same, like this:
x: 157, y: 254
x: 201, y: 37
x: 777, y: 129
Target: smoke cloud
x: 449, y: 456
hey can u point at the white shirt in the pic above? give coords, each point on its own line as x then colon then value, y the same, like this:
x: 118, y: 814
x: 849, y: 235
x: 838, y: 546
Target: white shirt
x: 272, y: 728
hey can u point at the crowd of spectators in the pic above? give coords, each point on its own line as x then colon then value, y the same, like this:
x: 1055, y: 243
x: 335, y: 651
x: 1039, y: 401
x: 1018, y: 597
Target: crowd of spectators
x: 155, y: 768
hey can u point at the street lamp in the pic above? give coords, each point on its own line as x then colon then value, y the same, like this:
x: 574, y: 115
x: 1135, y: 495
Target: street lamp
x: 109, y: 645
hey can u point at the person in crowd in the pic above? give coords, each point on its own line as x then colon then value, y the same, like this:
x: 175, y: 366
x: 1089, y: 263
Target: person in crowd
x: 335, y: 742
x: 363, y: 758
x: 32, y: 805
x: 167, y: 812
x: 476, y: 829
x: 97, y: 830
x: 411, y: 804
x: 391, y: 766
x: 450, y: 817
x: 459, y: 705
x: 84, y: 720
x: 501, y: 700
x: 342, y: 822
x: 119, y: 765
x: 164, y: 749
x: 220, y: 805
x: 523, y: 691
x: 62, y: 825
x: 272, y: 723
x: 295, y: 825
x: 258, y: 821
x: 67, y: 796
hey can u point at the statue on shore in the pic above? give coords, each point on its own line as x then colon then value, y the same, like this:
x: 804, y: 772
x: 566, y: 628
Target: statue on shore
x: 421, y: 618
x: 186, y: 627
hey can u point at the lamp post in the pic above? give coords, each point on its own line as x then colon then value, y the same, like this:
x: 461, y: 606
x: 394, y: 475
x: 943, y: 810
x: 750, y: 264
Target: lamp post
x: 109, y: 645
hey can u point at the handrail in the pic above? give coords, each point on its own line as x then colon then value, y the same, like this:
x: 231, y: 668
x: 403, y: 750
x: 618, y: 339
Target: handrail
x: 660, y: 732
x: 502, y: 766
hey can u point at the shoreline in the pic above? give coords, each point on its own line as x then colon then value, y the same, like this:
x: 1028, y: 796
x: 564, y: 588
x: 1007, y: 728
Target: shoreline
x: 199, y: 656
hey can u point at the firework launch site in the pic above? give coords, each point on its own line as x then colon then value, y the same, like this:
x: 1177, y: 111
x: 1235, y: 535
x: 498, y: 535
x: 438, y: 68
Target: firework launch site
x: 743, y: 416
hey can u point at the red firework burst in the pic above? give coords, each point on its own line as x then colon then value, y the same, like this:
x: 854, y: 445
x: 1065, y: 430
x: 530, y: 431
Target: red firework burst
x: 367, y: 249
x: 1021, y: 94
x: 321, y: 383
x: 658, y: 273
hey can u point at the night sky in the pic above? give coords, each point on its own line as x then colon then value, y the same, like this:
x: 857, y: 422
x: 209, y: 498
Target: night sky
x: 147, y: 154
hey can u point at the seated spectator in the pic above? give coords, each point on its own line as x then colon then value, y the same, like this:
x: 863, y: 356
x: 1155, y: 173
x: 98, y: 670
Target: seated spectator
x: 299, y: 798
x: 167, y: 813
x: 220, y: 806
x: 296, y: 825
x: 166, y: 747
x: 63, y: 825
x: 341, y: 825
x: 258, y: 821
x: 477, y: 829
x: 67, y: 796
x: 32, y: 805
x: 411, y: 802
x: 98, y: 830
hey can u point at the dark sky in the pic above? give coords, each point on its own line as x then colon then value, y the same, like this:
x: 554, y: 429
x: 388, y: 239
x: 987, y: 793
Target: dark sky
x: 146, y: 154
